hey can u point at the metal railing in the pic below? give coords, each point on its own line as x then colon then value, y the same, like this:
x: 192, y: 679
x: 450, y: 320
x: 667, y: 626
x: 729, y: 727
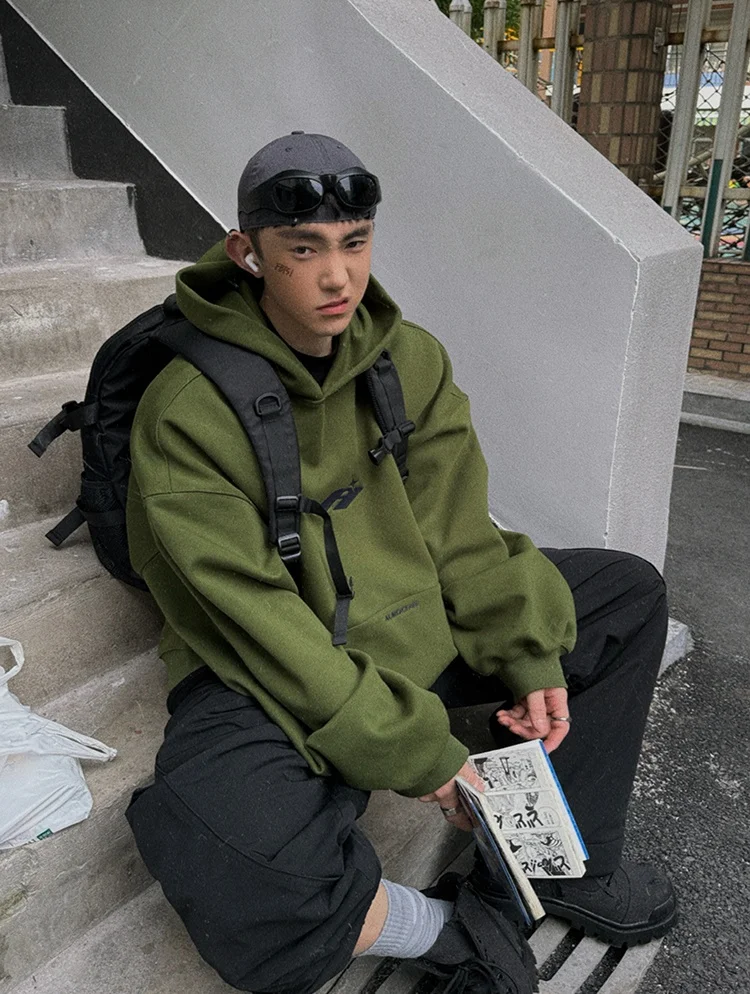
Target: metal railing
x: 708, y: 161
x: 703, y: 160
x: 519, y: 53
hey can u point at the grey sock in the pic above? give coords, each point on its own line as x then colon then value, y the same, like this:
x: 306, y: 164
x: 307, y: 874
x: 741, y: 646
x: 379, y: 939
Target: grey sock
x: 412, y: 924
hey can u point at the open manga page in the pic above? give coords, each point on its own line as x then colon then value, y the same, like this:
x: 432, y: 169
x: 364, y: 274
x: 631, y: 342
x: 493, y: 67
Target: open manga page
x: 528, y: 807
x: 497, y: 855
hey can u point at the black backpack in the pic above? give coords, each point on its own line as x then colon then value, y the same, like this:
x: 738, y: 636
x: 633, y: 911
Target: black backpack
x: 122, y: 369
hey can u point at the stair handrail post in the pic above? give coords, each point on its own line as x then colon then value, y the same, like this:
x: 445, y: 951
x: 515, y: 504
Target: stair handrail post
x: 683, y: 123
x: 495, y: 12
x: 460, y: 12
x: 528, y: 58
x: 562, y: 83
x: 725, y: 137
x: 575, y: 21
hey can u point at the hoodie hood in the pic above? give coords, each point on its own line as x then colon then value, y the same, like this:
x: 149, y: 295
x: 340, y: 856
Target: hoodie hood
x: 216, y: 296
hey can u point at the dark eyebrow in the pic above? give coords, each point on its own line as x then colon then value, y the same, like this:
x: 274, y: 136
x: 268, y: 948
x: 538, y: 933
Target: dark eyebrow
x: 308, y: 235
x: 362, y: 230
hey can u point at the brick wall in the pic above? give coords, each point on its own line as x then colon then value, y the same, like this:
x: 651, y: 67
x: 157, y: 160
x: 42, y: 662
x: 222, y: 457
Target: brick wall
x: 621, y: 86
x: 721, y: 329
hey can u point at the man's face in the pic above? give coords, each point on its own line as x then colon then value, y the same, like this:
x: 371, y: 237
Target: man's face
x: 309, y: 266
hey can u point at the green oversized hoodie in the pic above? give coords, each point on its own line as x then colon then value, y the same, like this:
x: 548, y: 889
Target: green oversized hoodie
x: 432, y: 576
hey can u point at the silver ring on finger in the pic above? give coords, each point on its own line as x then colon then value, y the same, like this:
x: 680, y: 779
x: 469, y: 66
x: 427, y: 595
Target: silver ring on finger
x: 559, y: 717
x: 450, y: 812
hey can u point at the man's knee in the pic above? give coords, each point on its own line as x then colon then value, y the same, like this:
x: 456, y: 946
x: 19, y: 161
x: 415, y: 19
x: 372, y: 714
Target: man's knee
x: 263, y: 927
x: 643, y: 578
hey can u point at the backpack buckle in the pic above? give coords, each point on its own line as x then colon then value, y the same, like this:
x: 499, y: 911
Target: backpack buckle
x: 288, y: 502
x: 289, y: 543
x: 388, y: 442
x: 289, y: 546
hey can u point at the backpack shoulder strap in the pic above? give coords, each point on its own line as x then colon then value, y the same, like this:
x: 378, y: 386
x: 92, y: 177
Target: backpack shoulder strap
x: 253, y: 389
x: 265, y: 412
x: 387, y: 399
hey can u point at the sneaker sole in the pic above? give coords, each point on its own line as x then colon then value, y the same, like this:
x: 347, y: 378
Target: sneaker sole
x: 600, y: 928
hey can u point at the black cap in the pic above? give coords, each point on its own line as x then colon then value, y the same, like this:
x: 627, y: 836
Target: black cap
x: 308, y: 153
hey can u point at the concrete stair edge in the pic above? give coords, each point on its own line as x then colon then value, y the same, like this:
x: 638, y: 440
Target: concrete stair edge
x: 66, y: 219
x: 679, y: 644
x: 77, y: 184
x: 89, y: 707
x: 32, y: 570
x: 54, y: 317
x: 37, y: 487
x: 142, y: 946
x: 46, y: 272
x: 74, y: 620
x: 110, y: 624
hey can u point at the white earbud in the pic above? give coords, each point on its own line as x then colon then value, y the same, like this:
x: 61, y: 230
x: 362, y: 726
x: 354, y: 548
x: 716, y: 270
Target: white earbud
x: 252, y: 263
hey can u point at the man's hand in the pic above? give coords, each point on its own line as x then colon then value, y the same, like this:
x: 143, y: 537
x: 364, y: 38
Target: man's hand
x: 532, y: 717
x: 447, y: 796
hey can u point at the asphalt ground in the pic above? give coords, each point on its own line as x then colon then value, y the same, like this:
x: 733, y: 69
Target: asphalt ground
x: 690, y: 811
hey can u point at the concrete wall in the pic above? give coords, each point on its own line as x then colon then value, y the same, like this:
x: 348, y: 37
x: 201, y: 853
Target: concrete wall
x: 564, y: 295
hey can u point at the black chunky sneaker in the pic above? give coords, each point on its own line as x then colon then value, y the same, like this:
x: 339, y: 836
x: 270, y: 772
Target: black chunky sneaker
x: 634, y: 904
x: 478, y: 950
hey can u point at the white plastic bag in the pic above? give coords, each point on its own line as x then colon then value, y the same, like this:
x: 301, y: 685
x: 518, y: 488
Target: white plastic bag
x: 42, y: 789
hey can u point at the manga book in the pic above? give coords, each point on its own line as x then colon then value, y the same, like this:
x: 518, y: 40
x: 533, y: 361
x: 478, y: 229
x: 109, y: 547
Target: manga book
x: 522, y: 823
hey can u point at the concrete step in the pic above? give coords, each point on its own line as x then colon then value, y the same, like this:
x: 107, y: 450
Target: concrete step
x: 73, y: 619
x: 34, y: 143
x: 53, y: 890
x: 711, y: 411
x: 35, y: 487
x: 144, y: 947
x: 54, y: 316
x: 92, y: 706
x: 66, y: 219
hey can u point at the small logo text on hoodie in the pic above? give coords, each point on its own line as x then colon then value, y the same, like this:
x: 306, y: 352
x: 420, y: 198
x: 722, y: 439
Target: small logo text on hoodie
x: 401, y: 610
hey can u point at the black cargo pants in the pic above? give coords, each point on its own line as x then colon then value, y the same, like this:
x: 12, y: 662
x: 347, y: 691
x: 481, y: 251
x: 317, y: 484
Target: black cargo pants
x: 266, y: 863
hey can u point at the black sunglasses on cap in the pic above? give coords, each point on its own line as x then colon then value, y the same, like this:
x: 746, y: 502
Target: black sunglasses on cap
x: 294, y: 192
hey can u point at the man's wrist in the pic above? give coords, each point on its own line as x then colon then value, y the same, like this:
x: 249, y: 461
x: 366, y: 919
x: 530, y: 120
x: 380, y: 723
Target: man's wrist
x: 453, y: 757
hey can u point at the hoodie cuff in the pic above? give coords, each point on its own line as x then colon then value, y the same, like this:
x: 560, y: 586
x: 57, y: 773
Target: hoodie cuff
x: 529, y: 673
x: 452, y: 759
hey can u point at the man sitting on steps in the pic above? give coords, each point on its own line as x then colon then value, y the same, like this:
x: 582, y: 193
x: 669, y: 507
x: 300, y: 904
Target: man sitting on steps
x: 279, y: 731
